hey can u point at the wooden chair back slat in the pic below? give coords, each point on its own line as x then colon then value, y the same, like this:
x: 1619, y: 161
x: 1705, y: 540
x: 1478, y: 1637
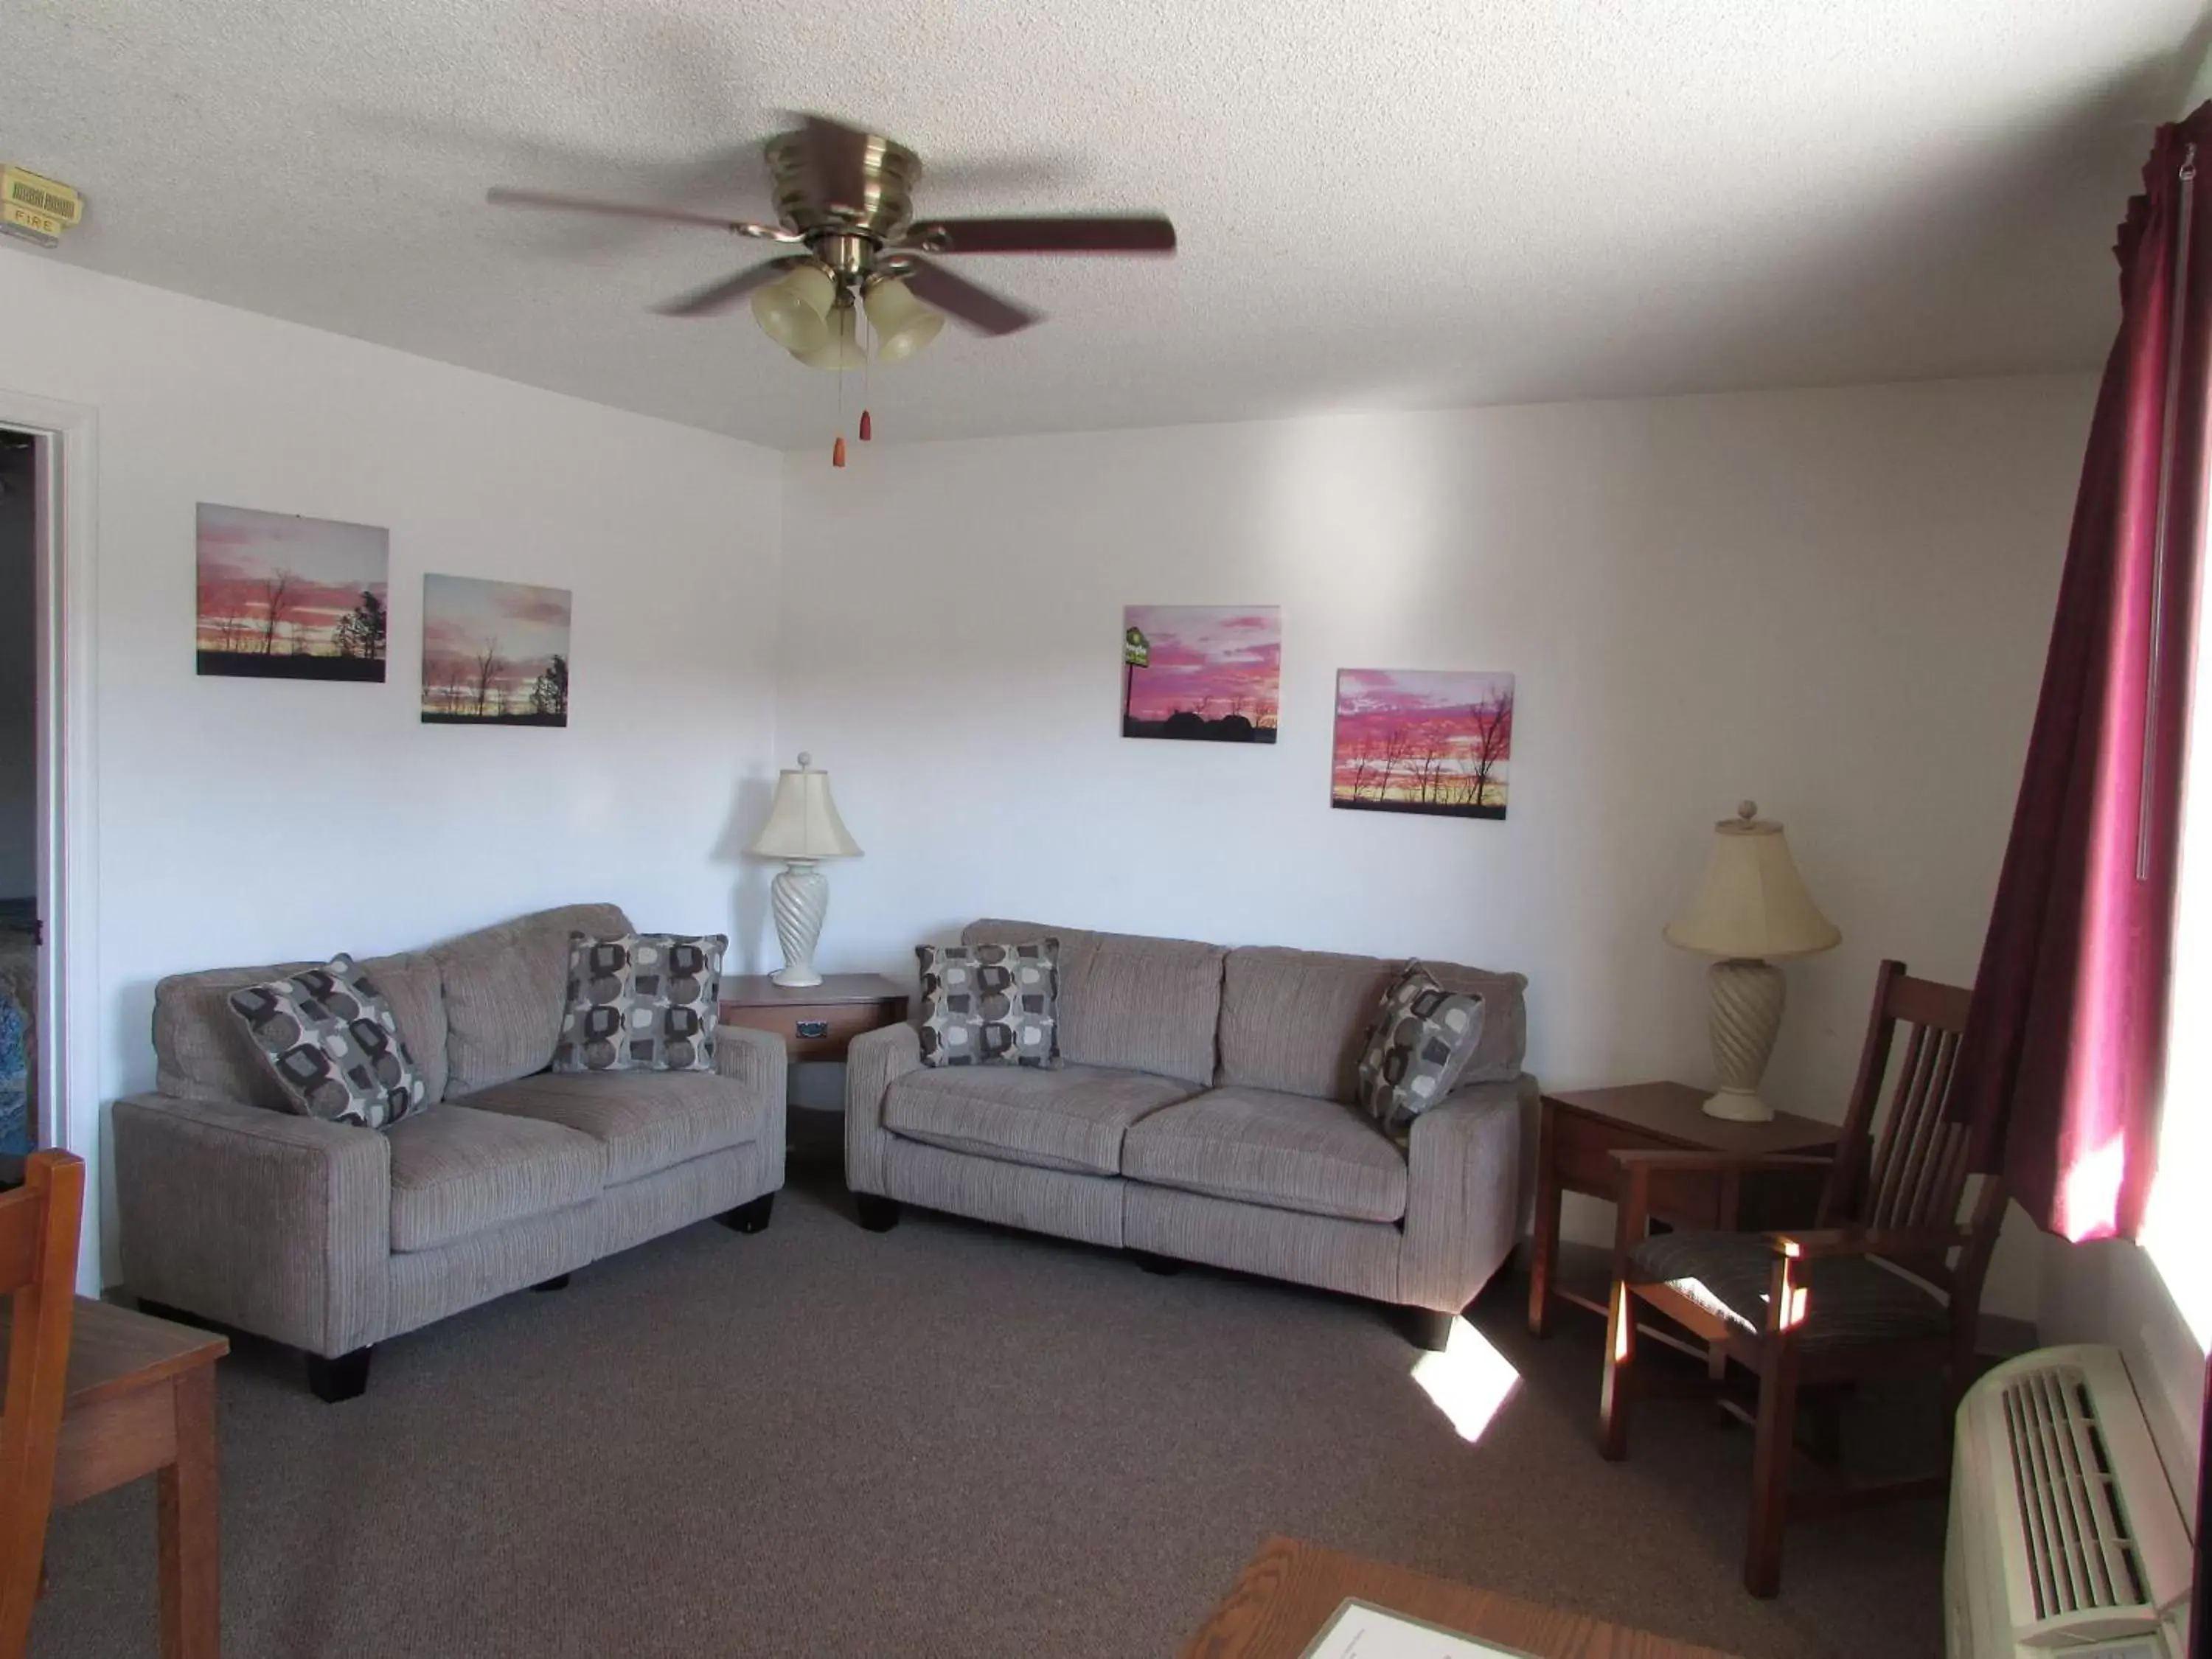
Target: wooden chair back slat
x: 39, y: 1224
x: 1896, y: 1131
x: 1897, y: 1181
x: 1910, y: 1169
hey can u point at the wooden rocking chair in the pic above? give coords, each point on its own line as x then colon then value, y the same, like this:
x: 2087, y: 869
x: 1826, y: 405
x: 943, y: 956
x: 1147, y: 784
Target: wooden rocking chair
x: 1826, y: 1306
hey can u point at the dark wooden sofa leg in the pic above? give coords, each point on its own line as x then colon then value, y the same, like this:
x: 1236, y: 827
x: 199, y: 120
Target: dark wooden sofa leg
x: 558, y: 1282
x: 1427, y: 1328
x: 1165, y: 1266
x: 751, y: 1218
x: 877, y: 1214
x: 342, y: 1378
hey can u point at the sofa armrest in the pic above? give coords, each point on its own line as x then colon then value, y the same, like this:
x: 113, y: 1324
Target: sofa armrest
x: 874, y: 1060
x: 276, y: 1225
x: 1462, y: 1193
x: 757, y: 1061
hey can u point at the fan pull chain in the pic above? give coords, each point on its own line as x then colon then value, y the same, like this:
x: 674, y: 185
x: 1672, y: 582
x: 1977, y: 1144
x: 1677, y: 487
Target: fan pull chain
x: 867, y: 359
x: 837, y: 452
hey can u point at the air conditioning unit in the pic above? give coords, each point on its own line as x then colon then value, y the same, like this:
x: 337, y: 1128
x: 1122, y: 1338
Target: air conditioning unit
x: 2065, y: 1538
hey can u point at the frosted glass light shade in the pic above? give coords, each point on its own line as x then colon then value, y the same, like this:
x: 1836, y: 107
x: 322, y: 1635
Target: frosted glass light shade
x: 1751, y: 902
x: 794, y: 311
x: 840, y: 348
x: 903, y: 323
x: 803, y: 821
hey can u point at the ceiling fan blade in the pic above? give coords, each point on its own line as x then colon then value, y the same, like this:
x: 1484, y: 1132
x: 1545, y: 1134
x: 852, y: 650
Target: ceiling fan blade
x: 502, y: 195
x: 1123, y: 233
x: 838, y: 157
x: 720, y: 296
x: 957, y: 297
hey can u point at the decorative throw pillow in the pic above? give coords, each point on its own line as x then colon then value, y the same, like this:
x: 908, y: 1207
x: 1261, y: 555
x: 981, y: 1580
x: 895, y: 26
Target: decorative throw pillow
x: 642, y: 1002
x: 329, y: 1036
x: 990, y: 1005
x: 1424, y: 1039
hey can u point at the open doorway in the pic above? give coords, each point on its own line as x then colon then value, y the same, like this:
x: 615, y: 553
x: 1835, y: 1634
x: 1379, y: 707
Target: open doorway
x: 22, y: 597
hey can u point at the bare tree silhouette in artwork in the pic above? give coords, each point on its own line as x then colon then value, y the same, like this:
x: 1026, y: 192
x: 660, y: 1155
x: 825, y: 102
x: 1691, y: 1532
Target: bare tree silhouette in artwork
x: 359, y: 632
x: 276, y: 605
x: 549, y: 693
x: 1490, y: 723
x: 488, y: 664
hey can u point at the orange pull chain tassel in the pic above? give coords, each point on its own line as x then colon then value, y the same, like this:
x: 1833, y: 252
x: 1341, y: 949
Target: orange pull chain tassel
x: 837, y: 455
x: 868, y: 426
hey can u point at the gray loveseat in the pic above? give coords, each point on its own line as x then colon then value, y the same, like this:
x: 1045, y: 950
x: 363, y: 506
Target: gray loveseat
x: 1204, y: 1114
x: 334, y: 1237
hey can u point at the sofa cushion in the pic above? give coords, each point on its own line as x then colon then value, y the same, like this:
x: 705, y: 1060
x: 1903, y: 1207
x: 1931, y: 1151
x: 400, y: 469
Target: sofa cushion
x: 991, y: 1005
x: 1070, y: 1119
x: 329, y: 1037
x: 1423, y: 1040
x: 641, y: 1002
x: 1287, y: 1152
x: 506, y: 992
x: 645, y: 1121
x: 1505, y: 1042
x: 202, y: 1052
x: 1295, y: 1022
x: 1140, y: 1004
x: 456, y: 1171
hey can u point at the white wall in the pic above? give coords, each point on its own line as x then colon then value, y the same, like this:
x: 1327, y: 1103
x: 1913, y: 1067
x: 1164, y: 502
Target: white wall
x: 1834, y: 601
x: 245, y: 821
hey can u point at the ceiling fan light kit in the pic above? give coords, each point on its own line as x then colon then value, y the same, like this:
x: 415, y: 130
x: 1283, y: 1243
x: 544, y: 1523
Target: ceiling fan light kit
x: 846, y: 197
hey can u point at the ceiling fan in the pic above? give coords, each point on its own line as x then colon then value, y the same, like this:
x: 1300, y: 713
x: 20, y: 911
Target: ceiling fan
x: 846, y: 198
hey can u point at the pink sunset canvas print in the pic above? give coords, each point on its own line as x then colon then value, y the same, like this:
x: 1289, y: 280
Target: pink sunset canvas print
x: 282, y: 597
x: 1207, y: 673
x: 493, y: 654
x: 1423, y: 741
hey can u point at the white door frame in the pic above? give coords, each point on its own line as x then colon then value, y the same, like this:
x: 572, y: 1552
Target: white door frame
x: 69, y: 1036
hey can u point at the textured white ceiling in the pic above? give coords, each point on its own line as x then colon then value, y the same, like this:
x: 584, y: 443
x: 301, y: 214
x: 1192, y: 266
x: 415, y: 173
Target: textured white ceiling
x: 1380, y: 201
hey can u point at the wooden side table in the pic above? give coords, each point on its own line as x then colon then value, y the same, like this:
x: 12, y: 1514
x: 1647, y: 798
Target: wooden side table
x: 1583, y: 1127
x: 1290, y: 1590
x: 816, y: 1022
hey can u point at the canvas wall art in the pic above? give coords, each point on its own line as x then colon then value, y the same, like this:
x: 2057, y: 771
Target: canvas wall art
x: 493, y: 654
x: 282, y: 597
x: 1422, y: 741
x: 1208, y: 673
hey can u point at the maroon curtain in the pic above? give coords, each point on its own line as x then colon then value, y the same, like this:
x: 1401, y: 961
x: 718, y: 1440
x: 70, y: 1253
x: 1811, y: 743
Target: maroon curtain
x: 2059, y: 1072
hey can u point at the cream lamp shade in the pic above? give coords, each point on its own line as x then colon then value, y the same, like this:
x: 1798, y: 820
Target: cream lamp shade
x: 803, y: 827
x: 840, y: 344
x: 903, y: 323
x: 1750, y: 904
x: 1751, y: 900
x: 803, y: 821
x: 794, y: 311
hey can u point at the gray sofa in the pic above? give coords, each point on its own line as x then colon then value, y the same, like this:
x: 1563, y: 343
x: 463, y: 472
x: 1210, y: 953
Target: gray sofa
x: 332, y: 1237
x: 1204, y: 1114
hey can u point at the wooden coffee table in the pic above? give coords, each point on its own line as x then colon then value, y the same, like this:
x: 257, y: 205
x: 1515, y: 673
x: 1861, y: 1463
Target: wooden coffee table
x: 1290, y: 1590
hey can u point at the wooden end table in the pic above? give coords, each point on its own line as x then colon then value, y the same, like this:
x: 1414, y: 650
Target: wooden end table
x: 1582, y: 1129
x: 816, y: 1022
x: 1289, y: 1591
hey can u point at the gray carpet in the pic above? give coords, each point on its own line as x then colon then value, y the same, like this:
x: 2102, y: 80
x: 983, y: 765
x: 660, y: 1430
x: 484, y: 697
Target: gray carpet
x: 949, y: 1439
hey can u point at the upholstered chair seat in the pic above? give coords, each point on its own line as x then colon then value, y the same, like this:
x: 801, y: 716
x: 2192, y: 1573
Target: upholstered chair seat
x: 1848, y: 1299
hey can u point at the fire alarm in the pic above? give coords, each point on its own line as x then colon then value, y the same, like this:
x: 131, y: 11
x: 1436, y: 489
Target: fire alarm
x: 37, y: 209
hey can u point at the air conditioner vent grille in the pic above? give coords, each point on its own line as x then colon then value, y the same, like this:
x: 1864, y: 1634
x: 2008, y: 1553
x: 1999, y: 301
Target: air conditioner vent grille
x: 2081, y: 1553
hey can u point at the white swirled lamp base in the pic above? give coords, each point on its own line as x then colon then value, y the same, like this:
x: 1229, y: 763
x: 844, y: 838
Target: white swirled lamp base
x: 1745, y: 1019
x: 800, y: 896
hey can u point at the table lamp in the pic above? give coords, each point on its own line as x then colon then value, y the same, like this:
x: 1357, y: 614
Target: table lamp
x: 803, y: 828
x: 1750, y: 905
